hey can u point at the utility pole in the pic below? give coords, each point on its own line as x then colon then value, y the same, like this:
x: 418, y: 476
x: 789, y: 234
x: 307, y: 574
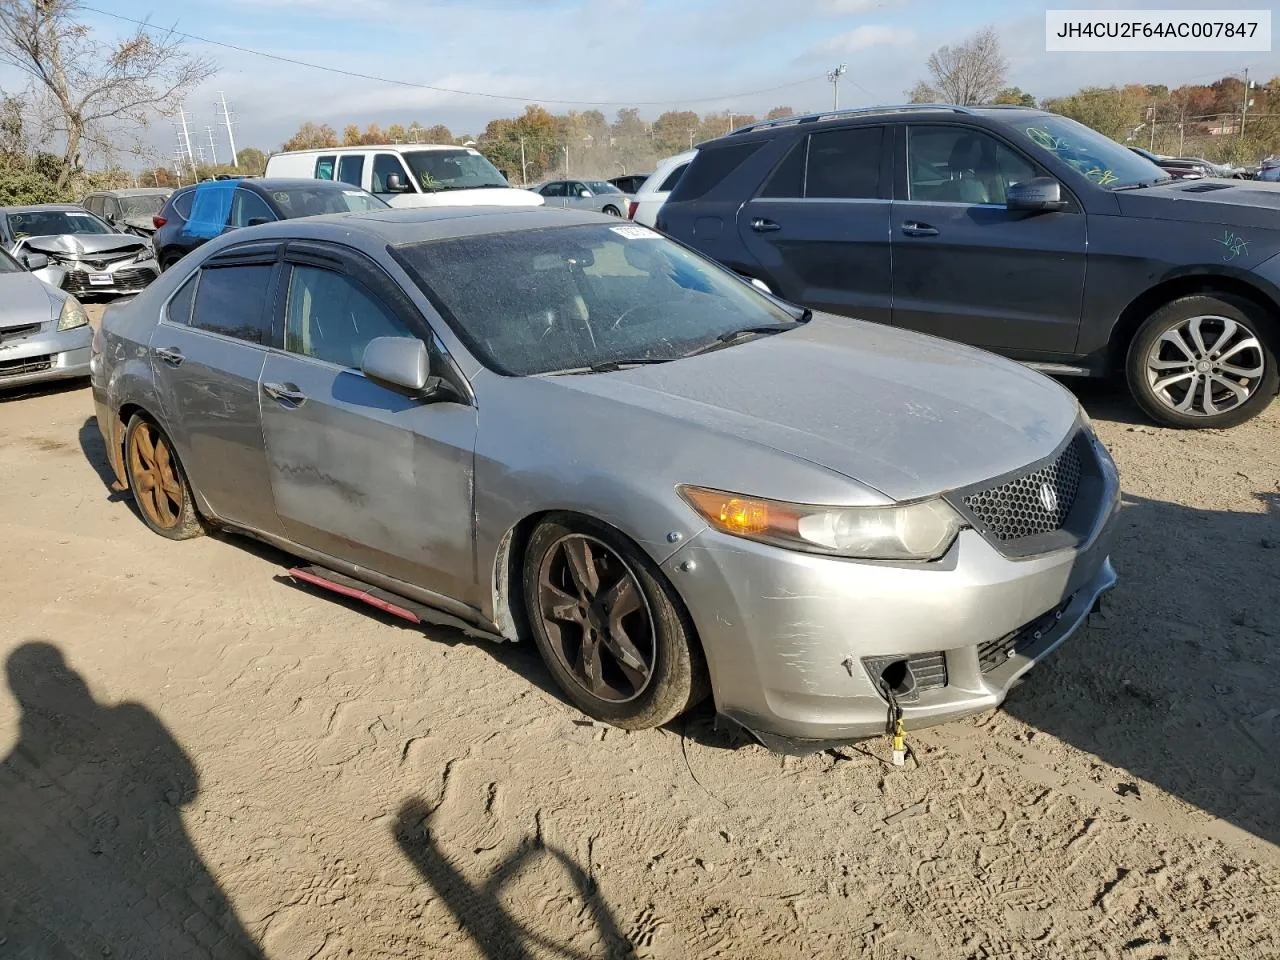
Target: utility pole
x: 1244, y: 105
x: 565, y: 148
x: 186, y: 139
x: 213, y: 147
x: 524, y: 166
x: 1153, y: 128
x: 834, y: 77
x: 226, y: 119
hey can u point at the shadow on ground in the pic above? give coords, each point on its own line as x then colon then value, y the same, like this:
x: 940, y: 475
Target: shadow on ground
x: 1176, y: 683
x: 94, y: 858
x: 478, y: 908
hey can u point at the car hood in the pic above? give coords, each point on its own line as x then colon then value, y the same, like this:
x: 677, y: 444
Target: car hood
x: 24, y: 299
x: 1236, y: 203
x: 82, y: 244
x: 907, y: 414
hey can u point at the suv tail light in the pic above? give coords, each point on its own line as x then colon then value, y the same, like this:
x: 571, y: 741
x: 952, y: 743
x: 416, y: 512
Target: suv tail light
x: 631, y: 210
x: 158, y: 221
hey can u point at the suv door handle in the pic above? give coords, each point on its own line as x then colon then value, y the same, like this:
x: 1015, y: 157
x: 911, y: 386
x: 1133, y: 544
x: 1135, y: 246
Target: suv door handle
x: 913, y: 228
x: 287, y: 393
x: 170, y: 355
x: 761, y: 225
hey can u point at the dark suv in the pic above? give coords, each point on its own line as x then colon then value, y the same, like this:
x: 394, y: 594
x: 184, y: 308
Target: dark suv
x: 195, y: 215
x: 1013, y: 229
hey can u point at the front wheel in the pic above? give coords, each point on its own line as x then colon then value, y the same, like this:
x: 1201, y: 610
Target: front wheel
x: 1204, y: 361
x: 608, y: 626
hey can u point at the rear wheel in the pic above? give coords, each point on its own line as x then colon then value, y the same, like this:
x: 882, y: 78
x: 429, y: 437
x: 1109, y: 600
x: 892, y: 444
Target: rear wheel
x: 608, y: 626
x: 612, y: 211
x: 1204, y: 361
x: 158, y: 482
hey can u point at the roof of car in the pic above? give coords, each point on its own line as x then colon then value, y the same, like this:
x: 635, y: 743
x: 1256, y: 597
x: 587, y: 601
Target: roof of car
x: 47, y: 207
x: 377, y: 146
x: 395, y: 226
x: 134, y: 192
x: 267, y: 184
x: 871, y: 113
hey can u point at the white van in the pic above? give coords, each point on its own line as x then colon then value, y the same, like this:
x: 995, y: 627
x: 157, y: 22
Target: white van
x: 408, y: 175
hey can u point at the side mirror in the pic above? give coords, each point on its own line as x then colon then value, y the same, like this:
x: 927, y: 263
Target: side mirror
x: 35, y: 261
x: 257, y: 221
x: 399, y: 362
x: 396, y: 185
x: 1037, y: 195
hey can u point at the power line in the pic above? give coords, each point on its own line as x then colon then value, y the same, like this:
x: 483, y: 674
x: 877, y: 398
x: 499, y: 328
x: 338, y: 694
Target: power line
x: 432, y: 87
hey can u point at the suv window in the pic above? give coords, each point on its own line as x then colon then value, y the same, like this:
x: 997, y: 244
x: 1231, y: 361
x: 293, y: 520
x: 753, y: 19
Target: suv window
x: 324, y: 167
x: 332, y: 317
x: 961, y: 165
x: 351, y: 168
x: 232, y: 301
x: 710, y: 168
x: 787, y: 179
x: 385, y: 164
x: 182, y: 203
x: 844, y: 164
x: 247, y: 205
x: 673, y: 178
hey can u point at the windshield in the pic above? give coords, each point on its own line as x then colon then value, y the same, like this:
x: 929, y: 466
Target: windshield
x: 598, y: 187
x: 567, y: 298
x: 317, y: 201
x: 460, y: 169
x: 1099, y: 158
x: 144, y: 206
x: 8, y: 264
x: 48, y: 223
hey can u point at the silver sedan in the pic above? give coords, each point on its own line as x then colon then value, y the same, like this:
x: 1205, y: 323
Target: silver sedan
x: 44, y: 332
x: 597, y: 196
x: 549, y: 425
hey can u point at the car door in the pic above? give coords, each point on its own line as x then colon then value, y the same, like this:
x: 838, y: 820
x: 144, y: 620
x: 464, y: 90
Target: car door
x: 360, y: 471
x: 207, y: 354
x: 968, y: 268
x: 579, y: 197
x: 554, y: 194
x: 248, y: 209
x: 384, y: 165
x: 819, y: 226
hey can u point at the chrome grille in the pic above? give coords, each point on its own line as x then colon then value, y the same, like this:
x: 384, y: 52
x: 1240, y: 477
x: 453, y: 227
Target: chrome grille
x: 1033, y: 503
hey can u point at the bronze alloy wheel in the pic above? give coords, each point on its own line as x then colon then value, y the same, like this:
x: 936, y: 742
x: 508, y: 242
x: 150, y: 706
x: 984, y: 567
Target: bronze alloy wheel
x: 156, y: 484
x: 596, y: 618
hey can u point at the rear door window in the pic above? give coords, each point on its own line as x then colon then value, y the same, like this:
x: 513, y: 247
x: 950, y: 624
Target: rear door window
x: 232, y: 301
x: 553, y: 190
x: 324, y: 167
x: 179, y: 309
x: 787, y: 179
x: 182, y: 203
x: 844, y: 164
x: 351, y: 168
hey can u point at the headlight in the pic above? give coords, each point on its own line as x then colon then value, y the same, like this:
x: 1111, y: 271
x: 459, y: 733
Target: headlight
x: 72, y: 315
x: 923, y: 530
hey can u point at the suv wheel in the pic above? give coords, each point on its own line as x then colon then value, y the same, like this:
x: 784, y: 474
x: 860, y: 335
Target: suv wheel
x: 1204, y: 361
x: 608, y: 626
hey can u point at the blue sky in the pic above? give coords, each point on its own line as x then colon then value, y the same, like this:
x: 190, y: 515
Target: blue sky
x: 683, y: 54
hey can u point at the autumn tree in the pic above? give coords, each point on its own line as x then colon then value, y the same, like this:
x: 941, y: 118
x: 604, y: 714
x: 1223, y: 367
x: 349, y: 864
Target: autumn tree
x: 437, y: 133
x: 675, y: 131
x: 100, y: 88
x: 1015, y: 96
x: 252, y: 161
x: 351, y: 135
x: 968, y: 73
x: 1109, y: 110
x: 311, y: 136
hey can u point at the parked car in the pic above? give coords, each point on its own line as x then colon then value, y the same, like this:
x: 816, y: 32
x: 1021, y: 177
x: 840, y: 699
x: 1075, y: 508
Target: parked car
x: 94, y: 258
x: 653, y: 192
x: 678, y: 482
x: 598, y: 196
x: 412, y: 175
x: 971, y: 223
x: 44, y: 332
x: 196, y: 214
x: 1269, y: 170
x: 129, y: 211
x: 630, y: 182
x: 1179, y: 169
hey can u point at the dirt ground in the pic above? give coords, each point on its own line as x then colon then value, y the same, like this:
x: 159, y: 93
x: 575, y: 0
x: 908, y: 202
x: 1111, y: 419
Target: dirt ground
x: 202, y: 759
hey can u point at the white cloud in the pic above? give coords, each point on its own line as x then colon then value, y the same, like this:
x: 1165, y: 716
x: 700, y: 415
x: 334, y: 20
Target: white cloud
x: 866, y: 38
x: 838, y: 8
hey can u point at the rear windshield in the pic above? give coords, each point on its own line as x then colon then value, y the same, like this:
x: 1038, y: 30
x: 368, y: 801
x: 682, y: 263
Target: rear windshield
x: 143, y: 206
x: 540, y: 301
x: 599, y: 186
x: 48, y: 223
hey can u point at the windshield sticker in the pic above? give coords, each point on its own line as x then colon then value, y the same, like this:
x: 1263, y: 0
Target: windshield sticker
x: 1043, y: 138
x: 634, y: 231
x: 1101, y: 177
x: 280, y: 197
x: 1235, y: 246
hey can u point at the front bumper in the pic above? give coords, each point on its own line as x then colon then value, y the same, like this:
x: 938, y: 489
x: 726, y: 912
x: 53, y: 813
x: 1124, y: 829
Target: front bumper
x: 787, y: 635
x: 44, y: 356
x: 126, y: 277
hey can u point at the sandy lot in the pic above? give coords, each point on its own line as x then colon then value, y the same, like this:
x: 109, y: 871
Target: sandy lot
x: 197, y: 759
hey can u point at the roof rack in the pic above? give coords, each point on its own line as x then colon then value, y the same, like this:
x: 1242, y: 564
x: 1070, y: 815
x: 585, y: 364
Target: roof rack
x: 850, y: 112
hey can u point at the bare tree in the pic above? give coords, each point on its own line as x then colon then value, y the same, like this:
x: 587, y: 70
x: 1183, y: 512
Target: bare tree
x: 971, y: 72
x: 95, y: 87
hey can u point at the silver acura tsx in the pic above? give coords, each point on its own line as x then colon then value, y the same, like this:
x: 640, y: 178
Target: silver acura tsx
x: 549, y: 424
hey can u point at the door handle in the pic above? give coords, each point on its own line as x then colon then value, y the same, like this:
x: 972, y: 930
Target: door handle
x: 761, y: 225
x: 170, y: 355
x: 913, y: 228
x: 287, y: 393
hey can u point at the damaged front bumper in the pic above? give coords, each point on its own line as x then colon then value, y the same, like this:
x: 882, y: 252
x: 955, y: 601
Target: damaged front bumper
x: 44, y: 355
x: 800, y: 646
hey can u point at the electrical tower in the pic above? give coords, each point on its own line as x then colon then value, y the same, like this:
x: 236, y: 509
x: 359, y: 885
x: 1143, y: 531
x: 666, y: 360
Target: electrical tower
x: 227, y: 122
x: 833, y: 76
x: 213, y: 147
